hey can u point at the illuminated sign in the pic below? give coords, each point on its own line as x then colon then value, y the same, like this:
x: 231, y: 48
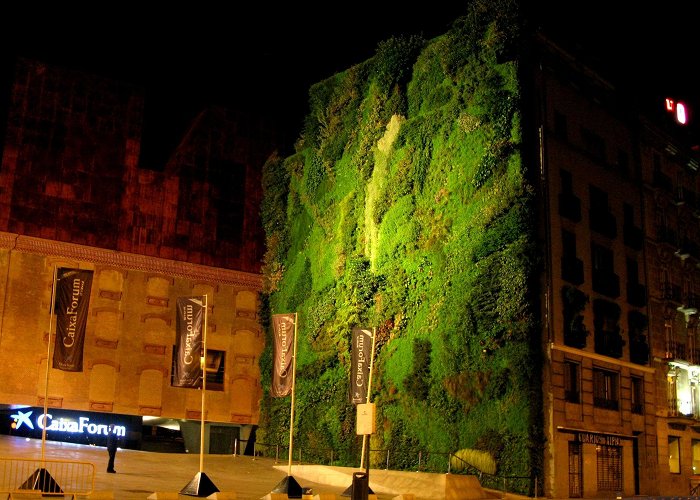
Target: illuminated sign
x: 678, y: 109
x: 598, y: 439
x: 79, y: 425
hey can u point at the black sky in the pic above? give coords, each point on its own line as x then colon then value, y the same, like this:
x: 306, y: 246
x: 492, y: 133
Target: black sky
x: 265, y: 56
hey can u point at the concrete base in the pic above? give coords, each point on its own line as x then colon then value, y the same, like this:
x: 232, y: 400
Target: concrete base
x: 175, y: 495
x: 418, y: 485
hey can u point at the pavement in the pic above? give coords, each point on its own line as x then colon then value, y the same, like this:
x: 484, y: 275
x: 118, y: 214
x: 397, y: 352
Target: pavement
x: 164, y: 476
x: 141, y: 474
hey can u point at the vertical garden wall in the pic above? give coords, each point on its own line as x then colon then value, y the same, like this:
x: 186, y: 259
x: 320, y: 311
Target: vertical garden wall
x: 406, y: 207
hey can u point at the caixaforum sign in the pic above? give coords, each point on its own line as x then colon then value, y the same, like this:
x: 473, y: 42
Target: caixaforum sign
x: 30, y: 420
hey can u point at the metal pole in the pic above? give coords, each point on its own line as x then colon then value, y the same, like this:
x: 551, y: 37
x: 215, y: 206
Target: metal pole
x: 204, y: 383
x: 48, y: 360
x: 291, y: 418
x: 365, y: 438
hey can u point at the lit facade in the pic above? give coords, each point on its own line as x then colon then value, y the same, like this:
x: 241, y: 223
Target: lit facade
x: 73, y: 194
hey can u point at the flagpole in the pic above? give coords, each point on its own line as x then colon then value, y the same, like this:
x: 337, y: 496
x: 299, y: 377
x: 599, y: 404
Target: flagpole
x: 48, y: 360
x: 365, y: 437
x: 291, y: 418
x: 204, y: 385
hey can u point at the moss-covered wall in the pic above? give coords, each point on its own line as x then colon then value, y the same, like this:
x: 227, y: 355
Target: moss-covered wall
x: 406, y: 207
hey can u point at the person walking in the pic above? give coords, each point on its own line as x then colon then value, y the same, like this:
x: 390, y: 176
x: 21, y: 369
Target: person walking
x: 111, y: 448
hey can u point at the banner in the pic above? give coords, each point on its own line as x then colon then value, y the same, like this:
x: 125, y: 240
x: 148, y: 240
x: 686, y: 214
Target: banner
x: 360, y: 358
x: 189, y: 347
x: 283, y: 362
x: 71, y: 302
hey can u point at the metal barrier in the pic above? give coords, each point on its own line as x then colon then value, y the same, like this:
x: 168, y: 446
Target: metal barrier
x: 22, y: 477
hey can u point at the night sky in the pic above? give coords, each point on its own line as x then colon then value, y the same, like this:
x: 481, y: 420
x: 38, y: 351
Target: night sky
x: 264, y: 57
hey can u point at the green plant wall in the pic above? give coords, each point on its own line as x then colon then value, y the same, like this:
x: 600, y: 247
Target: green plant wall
x: 406, y: 207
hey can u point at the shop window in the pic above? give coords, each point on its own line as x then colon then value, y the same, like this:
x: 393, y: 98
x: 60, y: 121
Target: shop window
x: 674, y: 454
x: 609, y: 461
x: 695, y: 451
x: 575, y: 470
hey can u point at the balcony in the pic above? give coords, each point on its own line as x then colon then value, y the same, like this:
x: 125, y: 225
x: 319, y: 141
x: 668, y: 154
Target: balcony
x: 671, y: 292
x: 665, y: 234
x: 676, y: 350
x: 639, y: 350
x: 609, y: 344
x: 636, y: 294
x: 607, y: 283
x: 570, y: 207
x: 576, y: 335
x: 689, y: 304
x: 662, y: 181
x: 676, y: 409
x: 603, y: 222
x: 572, y: 269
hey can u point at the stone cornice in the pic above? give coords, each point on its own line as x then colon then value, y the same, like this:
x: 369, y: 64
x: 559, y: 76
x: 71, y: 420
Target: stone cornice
x: 130, y: 261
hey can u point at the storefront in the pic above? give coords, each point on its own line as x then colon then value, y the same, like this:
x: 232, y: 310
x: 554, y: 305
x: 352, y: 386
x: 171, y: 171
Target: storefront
x: 600, y: 463
x: 80, y: 427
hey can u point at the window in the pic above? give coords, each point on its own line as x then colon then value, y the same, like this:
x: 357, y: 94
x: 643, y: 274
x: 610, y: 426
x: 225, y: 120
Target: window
x: 605, y: 389
x: 569, y: 203
x: 602, y: 219
x: 598, y: 198
x: 593, y: 144
x: 695, y: 451
x: 603, y: 259
x: 605, y: 280
x: 622, y: 161
x: 637, y: 395
x: 674, y: 454
x: 215, y: 370
x: 572, y: 391
x: 609, y: 461
x: 567, y: 182
x: 571, y: 266
x: 560, y: 126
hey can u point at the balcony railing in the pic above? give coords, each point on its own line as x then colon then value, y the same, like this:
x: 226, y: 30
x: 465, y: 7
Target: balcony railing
x: 671, y: 291
x: 667, y: 235
x: 674, y: 409
x: 676, y: 350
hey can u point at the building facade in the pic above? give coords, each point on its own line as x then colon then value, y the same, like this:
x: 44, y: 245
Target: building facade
x: 73, y: 194
x: 619, y: 228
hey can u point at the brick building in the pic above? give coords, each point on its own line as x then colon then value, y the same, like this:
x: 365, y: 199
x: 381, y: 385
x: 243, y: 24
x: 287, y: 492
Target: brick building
x: 619, y: 226
x: 74, y: 194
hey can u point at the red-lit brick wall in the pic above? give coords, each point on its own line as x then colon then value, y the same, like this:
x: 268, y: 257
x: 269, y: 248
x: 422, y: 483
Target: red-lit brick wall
x: 70, y: 172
